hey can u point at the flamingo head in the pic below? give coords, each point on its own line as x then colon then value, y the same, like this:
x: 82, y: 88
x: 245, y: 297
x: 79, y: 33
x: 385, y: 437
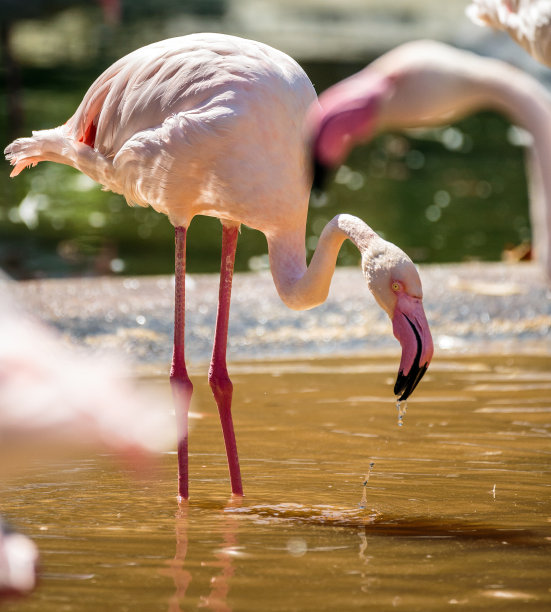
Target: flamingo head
x: 345, y: 116
x: 394, y: 281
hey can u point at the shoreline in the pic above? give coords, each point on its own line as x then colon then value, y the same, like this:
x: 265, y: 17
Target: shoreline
x: 472, y: 308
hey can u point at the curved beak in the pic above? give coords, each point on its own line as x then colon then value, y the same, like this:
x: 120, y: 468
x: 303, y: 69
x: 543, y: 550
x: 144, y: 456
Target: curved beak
x: 411, y: 328
x: 346, y: 115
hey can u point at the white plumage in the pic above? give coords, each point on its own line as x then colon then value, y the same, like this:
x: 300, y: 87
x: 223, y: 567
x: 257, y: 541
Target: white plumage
x: 171, y: 125
x: 528, y: 22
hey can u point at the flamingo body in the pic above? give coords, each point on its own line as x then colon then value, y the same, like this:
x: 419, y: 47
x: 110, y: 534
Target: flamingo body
x: 171, y: 125
x: 214, y: 125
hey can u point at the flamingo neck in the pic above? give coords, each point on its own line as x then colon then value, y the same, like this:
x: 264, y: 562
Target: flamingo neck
x: 528, y: 104
x: 300, y: 286
x: 518, y: 95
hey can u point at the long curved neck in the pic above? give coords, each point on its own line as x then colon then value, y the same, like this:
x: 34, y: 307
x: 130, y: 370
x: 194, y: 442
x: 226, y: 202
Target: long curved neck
x: 519, y: 96
x: 300, y: 286
x: 528, y: 105
x: 470, y: 84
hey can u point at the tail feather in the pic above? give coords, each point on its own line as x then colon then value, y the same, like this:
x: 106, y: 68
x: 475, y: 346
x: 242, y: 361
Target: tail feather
x: 59, y: 146
x: 44, y: 145
x: 29, y: 162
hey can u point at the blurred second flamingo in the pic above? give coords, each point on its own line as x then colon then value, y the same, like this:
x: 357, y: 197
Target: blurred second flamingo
x: 426, y: 83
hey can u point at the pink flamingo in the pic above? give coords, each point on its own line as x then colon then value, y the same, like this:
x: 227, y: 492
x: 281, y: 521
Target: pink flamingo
x: 209, y: 124
x: 426, y: 83
x: 52, y: 404
x: 528, y: 22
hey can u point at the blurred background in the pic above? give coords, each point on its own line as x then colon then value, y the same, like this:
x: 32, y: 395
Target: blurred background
x: 452, y: 194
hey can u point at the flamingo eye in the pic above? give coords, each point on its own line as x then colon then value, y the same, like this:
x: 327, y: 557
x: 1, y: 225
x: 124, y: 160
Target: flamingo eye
x: 395, y: 286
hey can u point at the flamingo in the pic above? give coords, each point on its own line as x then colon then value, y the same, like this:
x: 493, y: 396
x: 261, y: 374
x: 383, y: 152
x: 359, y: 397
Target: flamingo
x: 526, y: 21
x: 210, y: 124
x: 51, y: 405
x: 426, y: 83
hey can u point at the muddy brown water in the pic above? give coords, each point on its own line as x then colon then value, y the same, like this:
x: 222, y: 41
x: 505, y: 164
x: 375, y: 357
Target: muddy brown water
x: 457, y: 513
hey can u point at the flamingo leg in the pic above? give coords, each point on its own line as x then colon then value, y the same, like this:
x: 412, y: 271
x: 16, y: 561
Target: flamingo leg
x: 219, y: 380
x: 179, y: 379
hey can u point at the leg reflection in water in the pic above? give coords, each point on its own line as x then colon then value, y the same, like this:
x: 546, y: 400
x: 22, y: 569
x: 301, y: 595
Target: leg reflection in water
x: 223, y: 560
x: 176, y: 570
x: 217, y: 599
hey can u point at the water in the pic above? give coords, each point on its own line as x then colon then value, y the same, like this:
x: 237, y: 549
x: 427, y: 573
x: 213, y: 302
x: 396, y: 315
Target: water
x: 458, y: 504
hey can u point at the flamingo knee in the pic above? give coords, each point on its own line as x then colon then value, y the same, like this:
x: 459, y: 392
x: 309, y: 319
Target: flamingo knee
x: 220, y: 383
x: 180, y: 383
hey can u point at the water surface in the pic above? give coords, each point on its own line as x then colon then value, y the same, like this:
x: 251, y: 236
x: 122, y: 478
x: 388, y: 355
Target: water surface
x: 458, y: 506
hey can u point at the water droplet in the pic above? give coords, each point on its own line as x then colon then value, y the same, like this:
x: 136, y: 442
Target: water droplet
x: 363, y: 501
x: 402, y: 409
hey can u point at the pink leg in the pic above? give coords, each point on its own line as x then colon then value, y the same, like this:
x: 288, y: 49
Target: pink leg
x: 219, y: 380
x: 179, y: 379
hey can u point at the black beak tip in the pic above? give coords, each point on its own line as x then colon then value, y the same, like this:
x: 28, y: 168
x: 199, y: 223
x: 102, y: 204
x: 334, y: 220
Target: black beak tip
x: 401, y: 383
x: 405, y: 385
x: 320, y: 176
x: 405, y: 395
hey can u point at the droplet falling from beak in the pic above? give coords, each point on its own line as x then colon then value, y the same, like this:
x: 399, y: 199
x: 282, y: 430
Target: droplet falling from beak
x: 402, y: 407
